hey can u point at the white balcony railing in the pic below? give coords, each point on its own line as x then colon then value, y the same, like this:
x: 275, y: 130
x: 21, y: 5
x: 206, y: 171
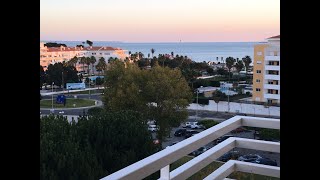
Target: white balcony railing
x: 272, y: 96
x: 271, y: 86
x: 272, y: 77
x: 162, y: 160
x: 272, y: 58
x: 272, y: 67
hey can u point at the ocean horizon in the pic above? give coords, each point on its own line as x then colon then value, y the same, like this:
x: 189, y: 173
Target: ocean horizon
x: 197, y: 51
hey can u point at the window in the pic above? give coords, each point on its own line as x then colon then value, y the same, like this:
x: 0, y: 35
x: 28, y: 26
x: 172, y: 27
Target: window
x: 257, y: 98
x: 106, y: 53
x: 258, y: 71
x: 258, y: 62
x: 259, y: 53
x: 258, y: 89
x: 257, y: 80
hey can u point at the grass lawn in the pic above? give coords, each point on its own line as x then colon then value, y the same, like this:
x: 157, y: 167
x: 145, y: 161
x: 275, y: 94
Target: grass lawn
x: 69, y: 104
x: 215, y: 165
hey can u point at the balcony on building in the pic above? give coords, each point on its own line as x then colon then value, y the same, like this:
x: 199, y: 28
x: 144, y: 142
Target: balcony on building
x: 162, y: 159
x: 271, y: 96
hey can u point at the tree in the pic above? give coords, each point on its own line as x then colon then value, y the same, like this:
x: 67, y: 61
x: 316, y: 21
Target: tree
x: 152, y: 51
x: 92, y: 61
x: 230, y: 63
x: 89, y: 42
x: 83, y: 61
x: 239, y: 66
x: 161, y: 94
x: 55, y: 72
x: 247, y: 61
x: 84, y: 149
x: 73, y: 61
x: 42, y: 77
x: 101, y: 66
x: 88, y: 62
x: 172, y: 54
x: 217, y: 97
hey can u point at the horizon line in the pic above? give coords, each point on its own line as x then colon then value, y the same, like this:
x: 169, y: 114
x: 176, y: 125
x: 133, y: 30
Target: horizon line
x: 155, y: 41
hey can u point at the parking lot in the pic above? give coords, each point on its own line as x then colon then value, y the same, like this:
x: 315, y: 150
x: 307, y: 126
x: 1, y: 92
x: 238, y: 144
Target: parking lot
x: 247, y: 134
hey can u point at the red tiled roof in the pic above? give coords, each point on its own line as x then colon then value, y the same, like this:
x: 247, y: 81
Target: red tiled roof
x: 274, y: 37
x: 96, y: 48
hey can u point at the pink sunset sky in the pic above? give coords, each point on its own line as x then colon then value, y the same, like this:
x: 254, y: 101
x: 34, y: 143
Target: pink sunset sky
x: 159, y: 20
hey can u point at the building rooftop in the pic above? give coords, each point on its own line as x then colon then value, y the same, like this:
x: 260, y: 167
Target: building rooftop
x: 94, y: 48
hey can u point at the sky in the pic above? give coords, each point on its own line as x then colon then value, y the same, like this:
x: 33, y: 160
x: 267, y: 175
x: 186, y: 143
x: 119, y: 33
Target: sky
x: 159, y: 20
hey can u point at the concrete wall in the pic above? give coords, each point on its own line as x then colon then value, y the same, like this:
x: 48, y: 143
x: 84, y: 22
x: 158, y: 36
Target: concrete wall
x: 237, y: 107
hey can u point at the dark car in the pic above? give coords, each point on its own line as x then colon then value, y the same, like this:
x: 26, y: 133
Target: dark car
x: 180, y: 132
x: 190, y: 133
x: 266, y: 161
x: 222, y: 138
x: 229, y: 155
x: 249, y: 157
x: 198, y: 151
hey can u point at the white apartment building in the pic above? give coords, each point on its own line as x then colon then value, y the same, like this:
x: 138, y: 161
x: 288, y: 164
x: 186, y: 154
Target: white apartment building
x: 53, y: 55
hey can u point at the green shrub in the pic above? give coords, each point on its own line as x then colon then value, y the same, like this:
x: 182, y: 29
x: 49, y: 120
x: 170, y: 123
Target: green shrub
x: 208, y: 123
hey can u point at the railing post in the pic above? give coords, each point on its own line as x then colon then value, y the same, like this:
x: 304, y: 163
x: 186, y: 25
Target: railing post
x: 165, y: 173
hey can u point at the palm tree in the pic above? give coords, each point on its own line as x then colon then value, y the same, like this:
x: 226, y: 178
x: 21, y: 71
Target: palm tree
x: 92, y: 61
x: 88, y: 62
x: 172, y: 54
x: 152, y: 51
x: 239, y: 66
x: 73, y: 61
x: 101, y: 65
x: 247, y: 61
x: 230, y: 63
x: 83, y: 61
x: 217, y: 97
x: 148, y: 55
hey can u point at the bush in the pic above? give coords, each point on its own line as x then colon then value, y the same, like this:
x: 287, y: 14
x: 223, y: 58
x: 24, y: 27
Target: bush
x: 94, y: 111
x: 269, y: 134
x: 208, y: 123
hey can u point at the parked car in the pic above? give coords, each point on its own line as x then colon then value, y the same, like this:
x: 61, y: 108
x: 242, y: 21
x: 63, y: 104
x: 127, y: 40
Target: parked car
x: 249, y: 157
x: 190, y: 133
x: 198, y: 151
x: 195, y: 125
x: 180, y: 132
x: 266, y: 161
x: 222, y: 138
x: 153, y: 128
x: 229, y: 155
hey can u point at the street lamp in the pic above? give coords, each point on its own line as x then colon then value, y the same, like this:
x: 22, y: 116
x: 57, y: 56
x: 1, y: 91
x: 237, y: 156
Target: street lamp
x: 197, y: 102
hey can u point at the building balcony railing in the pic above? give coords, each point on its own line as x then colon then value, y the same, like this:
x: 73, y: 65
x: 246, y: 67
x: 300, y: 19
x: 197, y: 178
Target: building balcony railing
x: 272, y: 77
x: 272, y: 96
x: 272, y: 58
x: 162, y: 160
x: 272, y: 86
x: 272, y: 67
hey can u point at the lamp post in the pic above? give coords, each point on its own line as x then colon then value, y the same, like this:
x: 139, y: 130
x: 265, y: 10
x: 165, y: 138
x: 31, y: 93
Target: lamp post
x: 197, y: 102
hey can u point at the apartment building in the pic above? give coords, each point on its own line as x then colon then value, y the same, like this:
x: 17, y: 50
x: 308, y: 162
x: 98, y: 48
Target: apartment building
x: 266, y: 75
x: 51, y: 55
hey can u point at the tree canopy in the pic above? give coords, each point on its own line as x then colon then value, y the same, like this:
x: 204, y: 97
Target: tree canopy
x: 161, y: 94
x: 94, y: 147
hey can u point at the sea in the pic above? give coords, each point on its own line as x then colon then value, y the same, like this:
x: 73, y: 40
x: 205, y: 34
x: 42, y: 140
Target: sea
x: 197, y: 51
